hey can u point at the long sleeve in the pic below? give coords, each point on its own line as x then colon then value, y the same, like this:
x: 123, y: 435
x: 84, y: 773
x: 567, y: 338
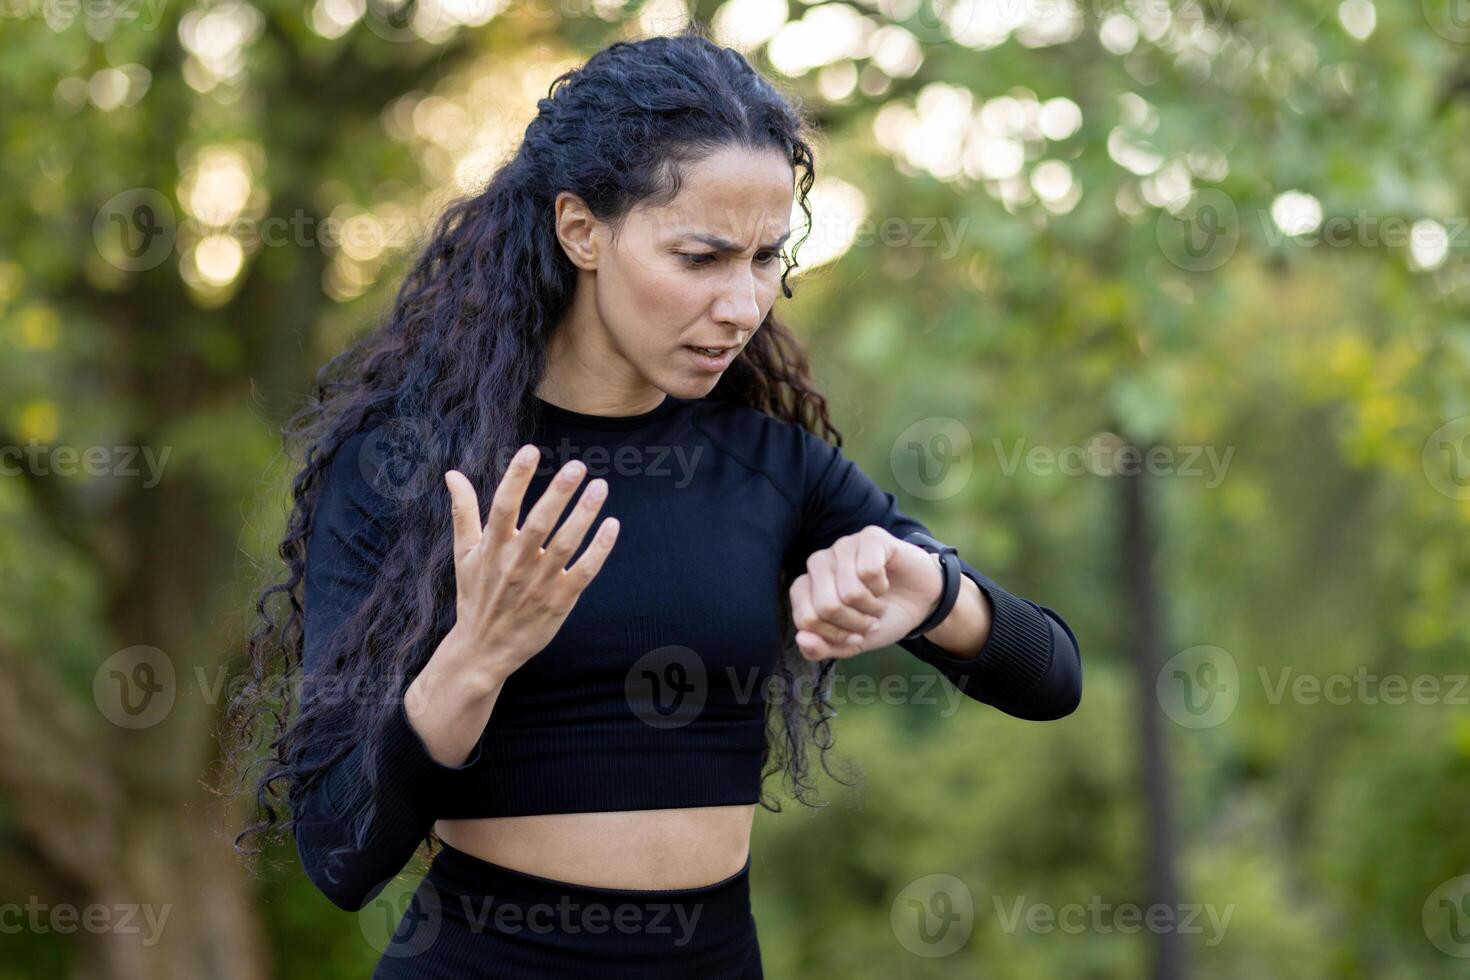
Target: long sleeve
x: 1031, y: 665
x: 349, y: 538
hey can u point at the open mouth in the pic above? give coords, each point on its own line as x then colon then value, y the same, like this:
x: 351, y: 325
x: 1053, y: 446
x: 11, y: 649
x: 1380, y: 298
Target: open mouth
x: 713, y: 359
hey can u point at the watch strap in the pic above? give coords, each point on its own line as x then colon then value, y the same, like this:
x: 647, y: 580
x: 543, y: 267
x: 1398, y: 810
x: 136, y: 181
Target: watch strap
x: 949, y: 593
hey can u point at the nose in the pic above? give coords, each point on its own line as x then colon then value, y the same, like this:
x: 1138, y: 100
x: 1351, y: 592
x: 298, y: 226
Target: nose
x: 739, y: 301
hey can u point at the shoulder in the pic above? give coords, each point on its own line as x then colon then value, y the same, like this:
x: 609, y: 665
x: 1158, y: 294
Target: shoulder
x: 343, y: 476
x: 786, y: 452
x: 365, y: 480
x: 728, y: 417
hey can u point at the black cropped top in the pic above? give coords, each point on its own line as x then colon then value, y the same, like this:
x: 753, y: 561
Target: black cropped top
x: 653, y: 693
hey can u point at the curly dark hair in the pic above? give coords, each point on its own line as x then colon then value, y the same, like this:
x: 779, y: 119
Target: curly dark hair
x: 461, y: 354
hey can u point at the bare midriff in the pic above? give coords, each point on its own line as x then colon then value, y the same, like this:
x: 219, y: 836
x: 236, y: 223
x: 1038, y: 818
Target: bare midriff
x: 687, y: 847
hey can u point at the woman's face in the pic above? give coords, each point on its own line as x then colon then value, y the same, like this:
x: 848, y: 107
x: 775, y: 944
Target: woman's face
x: 701, y: 271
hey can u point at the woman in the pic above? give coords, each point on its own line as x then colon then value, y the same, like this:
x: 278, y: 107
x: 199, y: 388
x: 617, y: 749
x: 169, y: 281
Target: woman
x: 579, y: 715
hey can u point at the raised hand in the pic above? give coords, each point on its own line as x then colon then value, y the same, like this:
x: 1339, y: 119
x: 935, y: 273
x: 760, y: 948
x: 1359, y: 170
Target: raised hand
x: 513, y: 594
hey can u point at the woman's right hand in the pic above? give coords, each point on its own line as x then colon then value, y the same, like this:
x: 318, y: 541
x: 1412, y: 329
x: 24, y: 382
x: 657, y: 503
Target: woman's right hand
x: 513, y: 594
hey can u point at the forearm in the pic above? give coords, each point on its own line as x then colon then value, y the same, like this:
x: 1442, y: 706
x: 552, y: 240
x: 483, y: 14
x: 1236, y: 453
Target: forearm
x: 1027, y: 664
x: 450, y: 701
x: 433, y: 730
x: 996, y: 647
x: 348, y: 872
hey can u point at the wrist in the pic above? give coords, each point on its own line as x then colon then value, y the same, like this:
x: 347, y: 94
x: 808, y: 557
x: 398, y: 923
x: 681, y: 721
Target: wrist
x: 970, y: 618
x: 450, y: 699
x: 471, y: 668
x: 937, y: 577
x: 945, y: 576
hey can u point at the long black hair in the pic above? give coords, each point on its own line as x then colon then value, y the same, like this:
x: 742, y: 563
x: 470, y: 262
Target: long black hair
x: 460, y: 355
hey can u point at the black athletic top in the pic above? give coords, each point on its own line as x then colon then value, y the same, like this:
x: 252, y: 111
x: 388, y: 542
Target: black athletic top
x: 653, y: 692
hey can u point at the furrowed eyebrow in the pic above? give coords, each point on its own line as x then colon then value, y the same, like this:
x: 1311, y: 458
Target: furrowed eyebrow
x: 725, y: 245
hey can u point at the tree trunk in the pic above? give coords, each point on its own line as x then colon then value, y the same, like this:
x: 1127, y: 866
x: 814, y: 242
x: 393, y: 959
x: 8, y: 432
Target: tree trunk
x: 121, y: 818
x: 132, y: 857
x: 1142, y: 607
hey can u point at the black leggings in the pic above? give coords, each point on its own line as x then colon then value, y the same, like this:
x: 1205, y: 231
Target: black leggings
x: 472, y: 918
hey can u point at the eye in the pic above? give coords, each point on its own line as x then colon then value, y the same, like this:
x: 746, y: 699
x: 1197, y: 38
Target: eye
x: 699, y: 260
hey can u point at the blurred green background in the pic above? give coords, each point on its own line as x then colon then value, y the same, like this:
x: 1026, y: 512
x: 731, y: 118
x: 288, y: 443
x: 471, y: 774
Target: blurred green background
x: 1230, y: 235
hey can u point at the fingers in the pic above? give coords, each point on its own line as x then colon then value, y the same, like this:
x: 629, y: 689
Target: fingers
x: 587, y: 567
x: 848, y: 609
x: 569, y: 536
x: 872, y: 563
x: 544, y: 513
x: 813, y: 647
x: 804, y: 615
x: 505, y: 506
x: 464, y: 508
x: 859, y: 569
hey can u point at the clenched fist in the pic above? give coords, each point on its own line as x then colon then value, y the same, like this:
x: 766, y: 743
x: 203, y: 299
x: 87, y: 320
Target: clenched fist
x: 865, y: 591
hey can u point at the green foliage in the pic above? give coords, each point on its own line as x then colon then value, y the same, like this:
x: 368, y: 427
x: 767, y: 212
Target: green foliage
x: 1329, y: 544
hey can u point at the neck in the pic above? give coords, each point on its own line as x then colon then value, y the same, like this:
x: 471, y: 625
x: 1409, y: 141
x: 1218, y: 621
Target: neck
x: 586, y: 373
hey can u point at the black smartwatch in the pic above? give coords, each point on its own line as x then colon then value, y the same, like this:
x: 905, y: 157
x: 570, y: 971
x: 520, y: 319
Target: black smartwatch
x: 949, y: 566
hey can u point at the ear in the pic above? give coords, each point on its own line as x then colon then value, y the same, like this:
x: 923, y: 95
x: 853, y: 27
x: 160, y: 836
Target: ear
x: 578, y: 230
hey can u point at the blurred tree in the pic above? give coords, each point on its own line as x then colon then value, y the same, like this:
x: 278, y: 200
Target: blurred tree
x: 1136, y: 223
x: 138, y: 329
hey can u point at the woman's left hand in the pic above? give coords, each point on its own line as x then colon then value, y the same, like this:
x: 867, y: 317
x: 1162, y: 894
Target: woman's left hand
x: 864, y: 592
